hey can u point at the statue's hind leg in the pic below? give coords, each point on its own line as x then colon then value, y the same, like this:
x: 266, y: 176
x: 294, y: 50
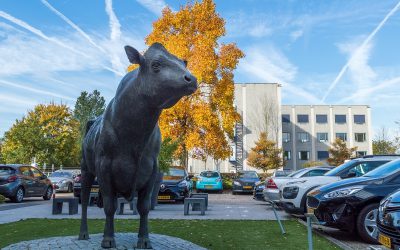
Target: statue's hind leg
x: 86, y: 184
x: 110, y: 206
x: 143, y: 206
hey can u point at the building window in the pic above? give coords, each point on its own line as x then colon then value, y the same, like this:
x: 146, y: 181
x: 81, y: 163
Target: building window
x: 321, y: 118
x: 322, y: 155
x: 286, y: 118
x: 359, y: 137
x: 340, y: 119
x: 287, y: 155
x: 341, y: 136
x: 361, y: 153
x: 359, y: 119
x: 304, y: 155
x: 303, y: 137
x: 302, y: 118
x: 285, y: 137
x: 322, y: 137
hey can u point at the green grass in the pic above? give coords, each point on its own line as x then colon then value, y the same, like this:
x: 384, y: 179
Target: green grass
x: 211, y: 234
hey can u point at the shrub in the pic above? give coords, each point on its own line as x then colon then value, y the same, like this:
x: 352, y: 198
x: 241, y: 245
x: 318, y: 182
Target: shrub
x: 2, y: 198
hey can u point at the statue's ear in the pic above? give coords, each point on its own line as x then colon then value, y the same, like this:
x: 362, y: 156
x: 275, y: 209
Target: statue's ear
x: 133, y: 55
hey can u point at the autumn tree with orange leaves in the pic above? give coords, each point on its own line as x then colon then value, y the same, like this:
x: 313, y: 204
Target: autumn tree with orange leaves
x: 203, y: 122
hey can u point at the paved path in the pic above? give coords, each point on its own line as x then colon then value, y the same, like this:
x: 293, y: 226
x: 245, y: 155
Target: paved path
x: 221, y: 206
x: 122, y: 240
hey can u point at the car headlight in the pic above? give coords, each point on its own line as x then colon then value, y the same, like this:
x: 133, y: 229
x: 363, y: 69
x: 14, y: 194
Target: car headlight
x: 343, y: 192
x: 237, y: 183
x: 182, y: 184
x: 296, y: 182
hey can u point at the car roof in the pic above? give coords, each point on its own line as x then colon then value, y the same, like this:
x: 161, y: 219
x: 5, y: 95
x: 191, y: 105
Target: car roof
x: 377, y: 158
x: 15, y: 165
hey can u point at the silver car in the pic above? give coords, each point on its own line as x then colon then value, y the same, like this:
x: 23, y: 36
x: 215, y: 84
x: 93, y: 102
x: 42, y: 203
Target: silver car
x: 63, y: 180
x: 273, y: 184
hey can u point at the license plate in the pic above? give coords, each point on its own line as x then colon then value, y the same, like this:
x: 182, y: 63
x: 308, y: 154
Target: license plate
x: 164, y: 197
x: 384, y: 240
x: 247, y: 187
x: 310, y: 210
x: 94, y: 190
x: 208, y: 186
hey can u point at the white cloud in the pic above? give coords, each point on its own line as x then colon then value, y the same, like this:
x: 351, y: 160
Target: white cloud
x: 260, y: 30
x: 155, y: 6
x: 294, y: 35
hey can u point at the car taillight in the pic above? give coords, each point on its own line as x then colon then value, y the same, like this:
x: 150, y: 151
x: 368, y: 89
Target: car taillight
x: 12, y: 178
x: 271, y: 184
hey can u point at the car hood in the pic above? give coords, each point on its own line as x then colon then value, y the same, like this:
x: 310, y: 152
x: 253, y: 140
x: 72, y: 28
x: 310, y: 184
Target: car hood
x: 395, y: 197
x: 347, y: 182
x: 58, y: 179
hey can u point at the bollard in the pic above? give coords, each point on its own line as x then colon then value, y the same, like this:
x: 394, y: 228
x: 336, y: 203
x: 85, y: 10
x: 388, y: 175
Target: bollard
x: 309, y: 233
x: 54, y: 192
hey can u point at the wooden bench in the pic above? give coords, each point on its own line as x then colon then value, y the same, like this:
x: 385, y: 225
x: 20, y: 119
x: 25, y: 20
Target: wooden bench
x: 122, y: 201
x: 200, y: 201
x: 72, y: 205
x: 196, y: 207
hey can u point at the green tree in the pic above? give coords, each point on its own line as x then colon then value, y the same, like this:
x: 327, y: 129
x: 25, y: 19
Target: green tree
x: 48, y: 132
x: 382, y: 144
x: 265, y: 154
x: 339, y: 152
x: 1, y: 155
x: 88, y: 107
x: 166, y: 156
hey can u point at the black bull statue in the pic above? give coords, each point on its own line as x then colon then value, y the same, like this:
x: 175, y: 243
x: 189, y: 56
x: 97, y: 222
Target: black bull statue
x: 121, y: 146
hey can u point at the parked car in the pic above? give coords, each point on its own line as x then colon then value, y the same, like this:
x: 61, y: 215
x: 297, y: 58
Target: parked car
x: 209, y: 180
x: 77, y: 187
x: 258, y: 191
x: 281, y: 173
x: 175, y: 185
x: 294, y: 193
x: 352, y: 204
x: 273, y: 184
x: 63, y: 180
x: 388, y: 221
x: 244, y: 182
x: 19, y: 181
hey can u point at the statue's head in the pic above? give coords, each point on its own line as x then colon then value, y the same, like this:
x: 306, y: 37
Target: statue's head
x: 166, y: 77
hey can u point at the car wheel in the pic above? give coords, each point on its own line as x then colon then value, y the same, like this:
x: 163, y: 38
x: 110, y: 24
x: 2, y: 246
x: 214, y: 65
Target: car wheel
x: 234, y: 193
x: 19, y: 195
x: 47, y: 195
x: 70, y: 188
x: 366, y: 223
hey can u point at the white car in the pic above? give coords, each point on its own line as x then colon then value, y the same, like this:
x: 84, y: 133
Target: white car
x: 294, y: 193
x: 273, y: 184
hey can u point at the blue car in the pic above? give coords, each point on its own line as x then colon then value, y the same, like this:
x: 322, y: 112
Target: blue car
x: 209, y: 180
x: 245, y: 182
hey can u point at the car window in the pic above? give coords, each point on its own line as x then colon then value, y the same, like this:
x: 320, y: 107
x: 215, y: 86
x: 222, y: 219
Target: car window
x: 247, y: 175
x: 316, y: 172
x: 395, y: 180
x: 209, y: 174
x: 385, y: 170
x: 362, y: 168
x: 297, y: 173
x: 25, y: 171
x: 61, y: 174
x: 36, y: 173
x: 6, y: 171
x: 176, y: 172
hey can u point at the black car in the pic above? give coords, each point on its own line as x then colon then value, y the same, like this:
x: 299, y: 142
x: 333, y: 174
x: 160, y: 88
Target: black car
x: 389, y: 221
x: 258, y: 192
x: 176, y: 185
x: 352, y: 204
x: 77, y: 187
x: 244, y: 182
x: 19, y: 181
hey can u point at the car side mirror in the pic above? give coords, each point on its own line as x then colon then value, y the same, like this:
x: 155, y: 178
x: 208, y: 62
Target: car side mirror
x: 190, y: 176
x: 351, y: 174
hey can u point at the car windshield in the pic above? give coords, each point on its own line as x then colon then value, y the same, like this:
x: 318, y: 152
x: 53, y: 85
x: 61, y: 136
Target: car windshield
x: 297, y: 173
x: 6, y: 171
x: 61, y: 174
x: 247, y: 175
x: 338, y: 169
x: 176, y: 172
x: 209, y: 174
x: 385, y: 170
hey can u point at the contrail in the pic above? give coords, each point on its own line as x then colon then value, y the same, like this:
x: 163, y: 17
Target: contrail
x: 366, y: 41
x: 51, y: 39
x: 44, y: 92
x: 115, y: 26
x: 72, y: 24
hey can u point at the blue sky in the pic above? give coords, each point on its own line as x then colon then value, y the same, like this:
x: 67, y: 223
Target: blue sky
x: 323, y: 52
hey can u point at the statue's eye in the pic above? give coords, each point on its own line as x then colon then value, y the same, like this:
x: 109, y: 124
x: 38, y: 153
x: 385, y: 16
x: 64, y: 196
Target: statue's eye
x: 156, y: 65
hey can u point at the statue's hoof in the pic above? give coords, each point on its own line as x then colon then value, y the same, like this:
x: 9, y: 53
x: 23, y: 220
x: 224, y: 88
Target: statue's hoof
x: 143, y: 243
x: 108, y: 242
x: 83, y: 236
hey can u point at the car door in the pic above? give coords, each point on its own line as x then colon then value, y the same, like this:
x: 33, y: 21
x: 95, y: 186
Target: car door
x: 39, y: 182
x: 27, y: 181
